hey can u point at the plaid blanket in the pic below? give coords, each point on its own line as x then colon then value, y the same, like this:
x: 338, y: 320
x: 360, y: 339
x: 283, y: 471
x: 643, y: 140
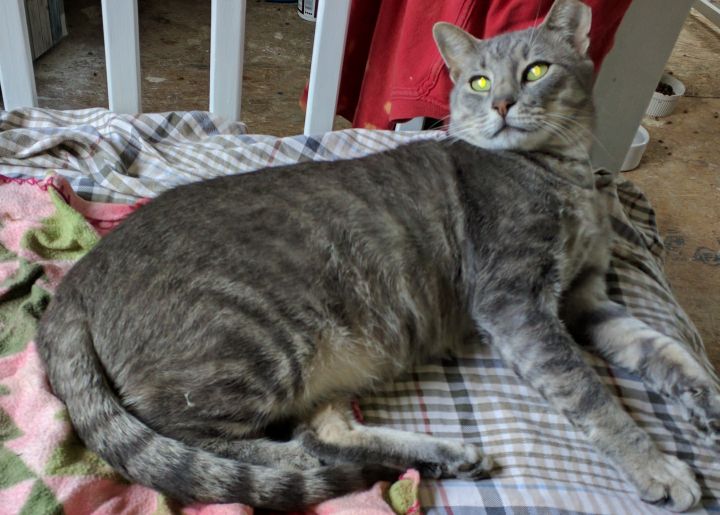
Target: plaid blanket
x: 547, y: 466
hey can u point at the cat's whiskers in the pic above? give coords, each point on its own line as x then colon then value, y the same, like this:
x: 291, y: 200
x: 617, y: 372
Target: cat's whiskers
x: 457, y: 136
x: 456, y: 132
x: 570, y: 119
x: 556, y: 131
x: 526, y: 122
x: 444, y: 123
x: 575, y: 138
x: 562, y: 128
x: 572, y: 140
x: 582, y: 127
x: 460, y: 136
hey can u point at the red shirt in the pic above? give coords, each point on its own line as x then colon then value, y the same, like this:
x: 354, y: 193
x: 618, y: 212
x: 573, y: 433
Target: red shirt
x: 392, y: 70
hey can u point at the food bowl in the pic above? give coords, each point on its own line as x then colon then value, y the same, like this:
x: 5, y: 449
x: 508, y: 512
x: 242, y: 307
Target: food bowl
x: 662, y: 104
x: 636, y: 150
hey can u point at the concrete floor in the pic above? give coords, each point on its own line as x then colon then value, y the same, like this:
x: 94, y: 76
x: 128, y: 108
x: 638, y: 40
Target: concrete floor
x: 680, y: 171
x: 175, y: 61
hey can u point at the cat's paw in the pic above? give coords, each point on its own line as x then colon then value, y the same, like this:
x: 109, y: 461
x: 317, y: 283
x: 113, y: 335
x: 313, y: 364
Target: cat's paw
x: 709, y: 429
x: 703, y: 406
x: 474, y: 465
x: 464, y: 461
x: 668, y: 482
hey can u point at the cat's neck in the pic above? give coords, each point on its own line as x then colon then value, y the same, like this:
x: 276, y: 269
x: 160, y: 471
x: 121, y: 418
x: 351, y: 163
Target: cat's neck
x: 574, y: 169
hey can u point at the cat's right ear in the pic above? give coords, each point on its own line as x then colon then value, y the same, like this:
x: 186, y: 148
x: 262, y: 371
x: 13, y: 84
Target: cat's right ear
x: 455, y: 46
x: 571, y: 19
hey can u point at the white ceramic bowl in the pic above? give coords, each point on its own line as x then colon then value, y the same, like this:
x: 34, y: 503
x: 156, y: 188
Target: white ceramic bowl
x: 663, y: 105
x: 636, y: 150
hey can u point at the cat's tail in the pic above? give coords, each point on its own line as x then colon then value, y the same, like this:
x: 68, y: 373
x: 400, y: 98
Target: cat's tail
x: 144, y: 456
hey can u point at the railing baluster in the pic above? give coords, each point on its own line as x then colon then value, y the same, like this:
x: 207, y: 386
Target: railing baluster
x: 122, y: 55
x: 227, y: 45
x: 17, y: 78
x: 327, y: 57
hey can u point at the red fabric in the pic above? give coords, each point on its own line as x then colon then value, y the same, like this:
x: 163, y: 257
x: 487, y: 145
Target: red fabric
x: 392, y: 70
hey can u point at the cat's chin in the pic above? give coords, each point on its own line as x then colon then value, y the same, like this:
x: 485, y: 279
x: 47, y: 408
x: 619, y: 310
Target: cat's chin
x: 520, y: 140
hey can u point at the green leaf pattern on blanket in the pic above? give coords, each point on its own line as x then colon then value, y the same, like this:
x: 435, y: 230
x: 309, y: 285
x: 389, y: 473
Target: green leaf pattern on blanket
x: 12, y: 468
x: 72, y: 458
x: 64, y: 235
x: 8, y: 430
x: 166, y: 506
x: 13, y: 471
x: 5, y: 254
x: 21, y: 306
x: 41, y: 500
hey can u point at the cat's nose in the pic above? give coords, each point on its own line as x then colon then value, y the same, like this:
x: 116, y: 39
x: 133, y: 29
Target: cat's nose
x: 502, y: 105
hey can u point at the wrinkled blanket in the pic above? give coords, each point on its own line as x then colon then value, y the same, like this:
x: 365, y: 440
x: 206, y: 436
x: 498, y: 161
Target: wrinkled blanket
x: 547, y: 466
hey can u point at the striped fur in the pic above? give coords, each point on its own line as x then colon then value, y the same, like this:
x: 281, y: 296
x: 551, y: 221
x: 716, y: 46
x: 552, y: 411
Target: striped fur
x: 207, y: 348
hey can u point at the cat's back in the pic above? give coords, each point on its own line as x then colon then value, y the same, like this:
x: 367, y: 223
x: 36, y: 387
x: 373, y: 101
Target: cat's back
x: 195, y: 221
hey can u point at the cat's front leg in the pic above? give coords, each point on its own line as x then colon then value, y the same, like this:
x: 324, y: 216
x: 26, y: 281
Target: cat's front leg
x: 664, y: 364
x: 539, y: 348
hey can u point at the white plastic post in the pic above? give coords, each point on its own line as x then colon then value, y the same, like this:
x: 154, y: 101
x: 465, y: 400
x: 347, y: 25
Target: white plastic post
x: 328, y: 49
x: 16, y: 69
x: 227, y: 45
x: 122, y: 55
x: 709, y: 9
x: 413, y: 124
x: 630, y: 73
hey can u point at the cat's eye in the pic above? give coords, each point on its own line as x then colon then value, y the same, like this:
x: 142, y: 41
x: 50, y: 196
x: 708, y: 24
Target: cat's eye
x: 480, y: 83
x: 536, y: 71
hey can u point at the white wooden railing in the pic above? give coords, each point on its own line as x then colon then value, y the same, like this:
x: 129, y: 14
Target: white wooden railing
x: 710, y: 9
x: 122, y: 55
x: 17, y: 79
x: 122, y: 58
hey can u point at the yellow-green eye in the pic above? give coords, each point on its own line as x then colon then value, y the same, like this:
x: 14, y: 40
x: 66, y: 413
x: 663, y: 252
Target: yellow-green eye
x: 536, y: 71
x: 480, y: 83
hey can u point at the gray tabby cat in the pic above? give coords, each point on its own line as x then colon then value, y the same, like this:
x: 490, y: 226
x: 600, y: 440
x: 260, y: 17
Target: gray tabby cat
x: 208, y: 347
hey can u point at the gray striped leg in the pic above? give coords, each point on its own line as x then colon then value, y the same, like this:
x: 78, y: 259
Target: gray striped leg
x: 664, y: 364
x: 539, y: 347
x: 335, y: 436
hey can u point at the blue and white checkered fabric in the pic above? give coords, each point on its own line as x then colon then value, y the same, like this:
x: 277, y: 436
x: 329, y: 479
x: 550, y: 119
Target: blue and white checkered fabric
x: 547, y: 466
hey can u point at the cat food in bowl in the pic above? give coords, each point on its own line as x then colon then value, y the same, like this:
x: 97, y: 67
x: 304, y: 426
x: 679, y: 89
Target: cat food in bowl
x: 666, y: 95
x: 636, y: 150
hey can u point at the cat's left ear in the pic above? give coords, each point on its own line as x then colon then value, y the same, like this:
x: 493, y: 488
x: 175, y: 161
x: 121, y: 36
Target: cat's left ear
x: 455, y: 46
x: 571, y: 19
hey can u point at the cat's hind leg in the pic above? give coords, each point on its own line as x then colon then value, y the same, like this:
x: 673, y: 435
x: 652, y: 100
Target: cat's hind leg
x: 334, y: 435
x: 664, y: 364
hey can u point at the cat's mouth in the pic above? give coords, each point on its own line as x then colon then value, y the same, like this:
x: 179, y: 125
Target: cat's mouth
x: 506, y: 128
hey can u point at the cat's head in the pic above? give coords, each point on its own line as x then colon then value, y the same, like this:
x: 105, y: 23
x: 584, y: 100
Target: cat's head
x: 525, y: 90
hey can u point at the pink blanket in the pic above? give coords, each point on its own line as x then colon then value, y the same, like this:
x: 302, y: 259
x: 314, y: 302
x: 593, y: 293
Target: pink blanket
x: 44, y: 228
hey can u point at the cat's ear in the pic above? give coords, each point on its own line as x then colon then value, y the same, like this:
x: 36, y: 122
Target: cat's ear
x: 571, y: 19
x: 455, y: 46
